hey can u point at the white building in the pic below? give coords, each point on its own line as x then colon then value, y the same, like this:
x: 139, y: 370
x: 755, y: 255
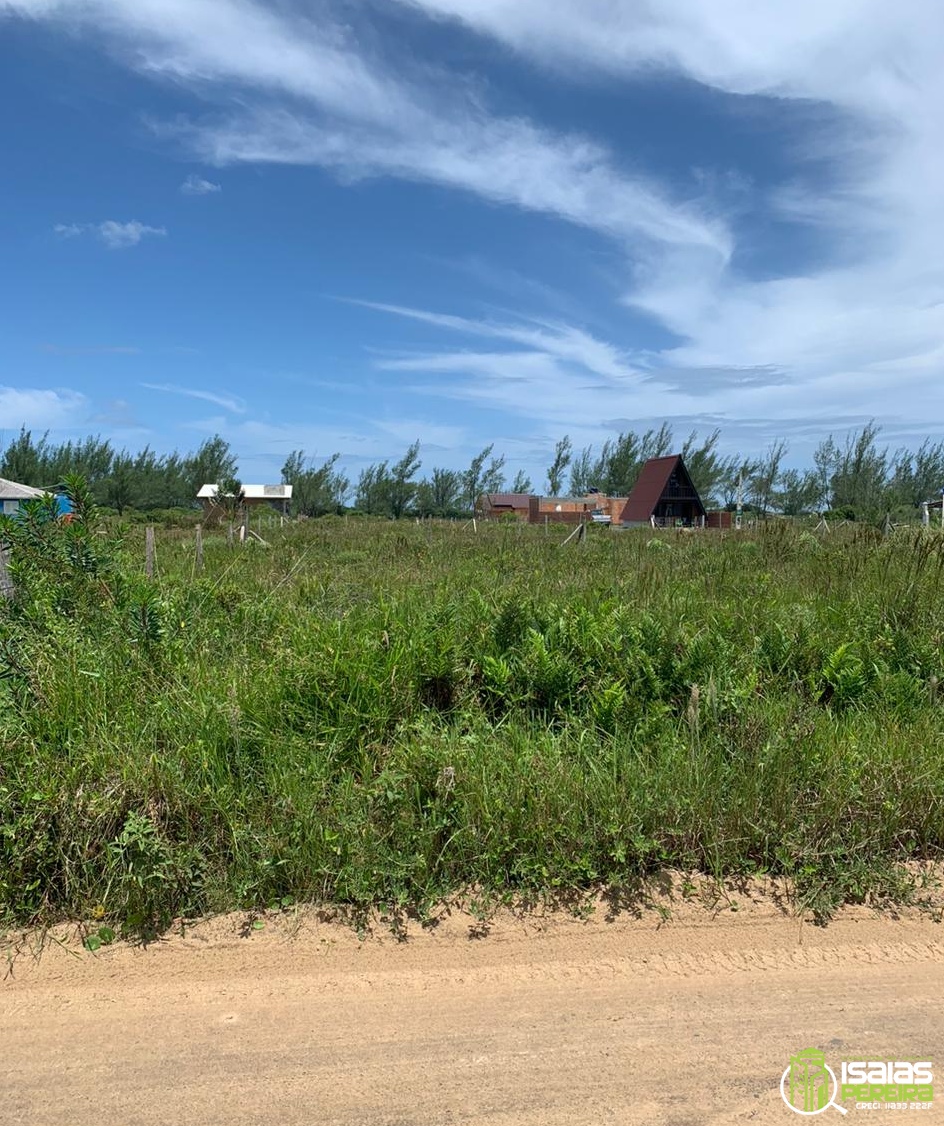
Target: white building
x: 11, y: 494
x: 276, y: 496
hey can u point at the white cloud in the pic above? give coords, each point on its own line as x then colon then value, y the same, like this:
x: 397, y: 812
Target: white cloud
x: 118, y: 236
x: 196, y: 185
x: 734, y: 45
x: 560, y: 377
x: 564, y: 379
x: 540, y: 389
x: 864, y: 323
x: 228, y: 402
x: 42, y: 408
x: 343, y: 110
x: 505, y: 161
x: 879, y: 297
x: 115, y: 235
x: 565, y: 342
x: 70, y: 230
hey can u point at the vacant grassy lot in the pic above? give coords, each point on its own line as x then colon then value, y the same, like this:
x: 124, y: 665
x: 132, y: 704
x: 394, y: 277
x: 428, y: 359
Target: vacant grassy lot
x: 368, y: 712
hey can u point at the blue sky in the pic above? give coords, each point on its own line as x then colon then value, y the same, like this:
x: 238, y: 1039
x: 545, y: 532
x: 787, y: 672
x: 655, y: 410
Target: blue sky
x: 340, y: 225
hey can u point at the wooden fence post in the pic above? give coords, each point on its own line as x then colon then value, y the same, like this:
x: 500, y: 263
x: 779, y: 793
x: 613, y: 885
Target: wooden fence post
x: 576, y: 534
x: 199, y: 547
x: 6, y: 583
x: 149, y: 551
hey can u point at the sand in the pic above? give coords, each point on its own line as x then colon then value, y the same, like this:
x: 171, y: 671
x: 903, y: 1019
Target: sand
x: 683, y: 1013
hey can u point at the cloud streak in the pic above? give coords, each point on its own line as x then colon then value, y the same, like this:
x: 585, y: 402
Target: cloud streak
x: 114, y: 234
x: 312, y: 97
x: 227, y: 402
x: 878, y: 299
x: 557, y: 373
x: 564, y: 342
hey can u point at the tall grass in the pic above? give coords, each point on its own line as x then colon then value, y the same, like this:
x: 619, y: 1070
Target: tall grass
x: 376, y: 713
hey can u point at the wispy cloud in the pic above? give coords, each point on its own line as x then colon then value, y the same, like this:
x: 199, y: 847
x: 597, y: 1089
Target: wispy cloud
x: 512, y: 162
x: 115, y: 235
x: 228, y: 402
x: 872, y: 73
x: 563, y: 377
x: 532, y: 385
x: 565, y: 342
x: 72, y: 230
x: 312, y: 95
x: 196, y: 185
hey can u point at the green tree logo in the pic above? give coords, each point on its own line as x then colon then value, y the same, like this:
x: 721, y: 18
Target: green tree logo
x: 808, y: 1086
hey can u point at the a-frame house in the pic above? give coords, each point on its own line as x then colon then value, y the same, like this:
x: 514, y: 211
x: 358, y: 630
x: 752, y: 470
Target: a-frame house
x: 664, y: 496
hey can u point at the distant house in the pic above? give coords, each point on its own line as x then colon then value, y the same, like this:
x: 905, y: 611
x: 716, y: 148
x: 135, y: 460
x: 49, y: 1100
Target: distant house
x: 254, y: 496
x: 530, y: 509
x: 664, y: 496
x: 493, y: 505
x: 12, y: 494
x: 593, y: 507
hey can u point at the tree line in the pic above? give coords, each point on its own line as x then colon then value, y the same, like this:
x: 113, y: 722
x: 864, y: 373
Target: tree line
x: 856, y: 477
x: 119, y: 479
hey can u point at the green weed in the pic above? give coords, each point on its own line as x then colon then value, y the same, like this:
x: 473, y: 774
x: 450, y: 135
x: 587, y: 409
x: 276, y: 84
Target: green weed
x: 374, y: 713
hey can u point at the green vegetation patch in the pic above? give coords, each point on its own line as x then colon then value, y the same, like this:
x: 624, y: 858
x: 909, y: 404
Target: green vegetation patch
x: 384, y: 713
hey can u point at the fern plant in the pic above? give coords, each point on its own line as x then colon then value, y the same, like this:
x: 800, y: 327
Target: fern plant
x: 845, y: 675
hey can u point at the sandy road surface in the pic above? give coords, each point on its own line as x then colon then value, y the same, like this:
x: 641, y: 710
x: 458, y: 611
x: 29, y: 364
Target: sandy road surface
x: 544, y: 1020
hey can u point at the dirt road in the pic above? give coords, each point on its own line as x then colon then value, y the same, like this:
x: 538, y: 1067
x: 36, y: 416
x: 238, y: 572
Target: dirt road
x: 541, y: 1020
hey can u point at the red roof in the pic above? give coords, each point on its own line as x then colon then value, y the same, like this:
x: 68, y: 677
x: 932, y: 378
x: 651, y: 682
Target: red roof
x: 653, y: 478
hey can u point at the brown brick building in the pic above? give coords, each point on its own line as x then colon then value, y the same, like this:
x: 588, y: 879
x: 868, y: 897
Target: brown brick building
x: 554, y: 510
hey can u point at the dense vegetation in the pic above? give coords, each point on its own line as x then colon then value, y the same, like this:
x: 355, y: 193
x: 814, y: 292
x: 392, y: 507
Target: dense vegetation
x: 853, y: 479
x: 369, y: 712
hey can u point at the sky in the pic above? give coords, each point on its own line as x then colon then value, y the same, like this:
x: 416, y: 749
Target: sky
x: 342, y: 225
